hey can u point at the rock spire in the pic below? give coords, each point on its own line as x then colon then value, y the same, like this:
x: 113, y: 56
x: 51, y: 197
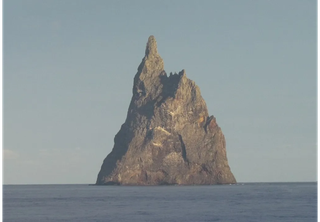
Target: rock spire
x: 151, y: 48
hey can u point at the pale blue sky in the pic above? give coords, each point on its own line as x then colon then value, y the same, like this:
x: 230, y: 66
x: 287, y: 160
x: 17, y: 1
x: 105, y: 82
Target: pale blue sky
x: 68, y: 69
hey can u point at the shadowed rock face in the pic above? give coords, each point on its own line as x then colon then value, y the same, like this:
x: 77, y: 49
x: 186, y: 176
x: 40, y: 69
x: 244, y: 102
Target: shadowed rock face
x: 168, y: 136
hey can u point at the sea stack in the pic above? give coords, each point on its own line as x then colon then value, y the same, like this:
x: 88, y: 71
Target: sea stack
x: 168, y: 137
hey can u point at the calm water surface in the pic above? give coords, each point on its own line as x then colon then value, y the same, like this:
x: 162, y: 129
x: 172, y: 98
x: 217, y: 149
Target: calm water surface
x: 242, y: 203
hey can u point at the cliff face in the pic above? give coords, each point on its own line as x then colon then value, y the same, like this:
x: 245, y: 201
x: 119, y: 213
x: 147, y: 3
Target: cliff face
x: 168, y: 136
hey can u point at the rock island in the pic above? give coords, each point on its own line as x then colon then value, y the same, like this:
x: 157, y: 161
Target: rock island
x: 168, y: 137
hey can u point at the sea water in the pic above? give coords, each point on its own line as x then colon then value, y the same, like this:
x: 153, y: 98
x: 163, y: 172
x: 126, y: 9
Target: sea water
x: 243, y: 202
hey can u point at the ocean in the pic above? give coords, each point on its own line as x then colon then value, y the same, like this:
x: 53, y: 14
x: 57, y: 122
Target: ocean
x: 242, y: 202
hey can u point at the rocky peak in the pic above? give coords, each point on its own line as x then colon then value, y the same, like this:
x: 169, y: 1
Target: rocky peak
x: 152, y: 62
x: 151, y: 49
x: 168, y: 136
x: 148, y: 82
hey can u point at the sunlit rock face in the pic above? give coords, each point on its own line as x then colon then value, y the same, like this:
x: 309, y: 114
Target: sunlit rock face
x: 168, y: 136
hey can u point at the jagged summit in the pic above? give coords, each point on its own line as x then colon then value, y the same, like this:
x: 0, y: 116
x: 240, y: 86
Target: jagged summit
x: 151, y: 48
x: 168, y: 136
x: 152, y: 60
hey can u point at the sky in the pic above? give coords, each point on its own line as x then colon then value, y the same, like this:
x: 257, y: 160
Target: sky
x: 68, y: 69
